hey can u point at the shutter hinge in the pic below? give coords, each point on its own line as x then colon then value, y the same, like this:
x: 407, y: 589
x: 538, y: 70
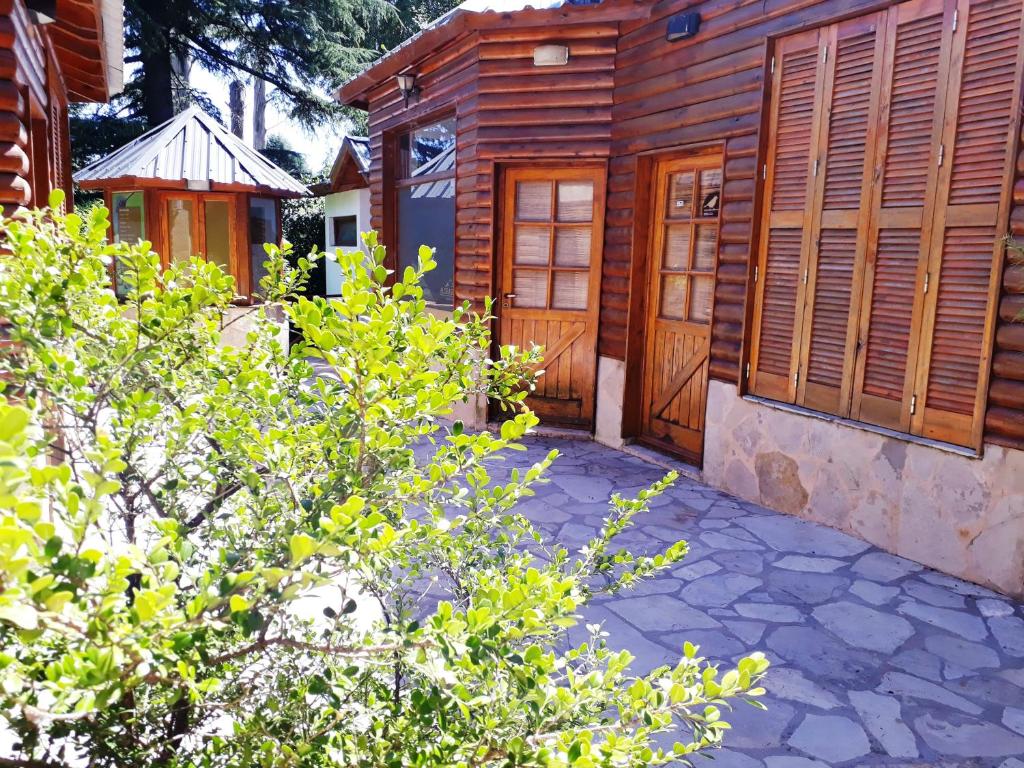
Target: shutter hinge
x: 746, y: 372
x: 927, y: 278
x: 956, y: 17
x: 816, y: 163
x: 773, y: 65
x: 807, y: 273
x: 824, y: 54
x: 796, y: 378
x: 913, y: 404
x: 755, y: 273
x: 942, y: 154
x: 764, y: 171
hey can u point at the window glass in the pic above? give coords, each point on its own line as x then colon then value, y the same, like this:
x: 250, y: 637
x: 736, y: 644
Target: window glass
x: 344, y: 232
x: 426, y: 216
x: 427, y: 149
x: 218, y: 233
x: 262, y: 229
x: 129, y: 223
x: 180, y: 216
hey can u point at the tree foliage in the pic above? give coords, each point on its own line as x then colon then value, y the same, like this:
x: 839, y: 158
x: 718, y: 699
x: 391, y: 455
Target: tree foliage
x: 252, y: 556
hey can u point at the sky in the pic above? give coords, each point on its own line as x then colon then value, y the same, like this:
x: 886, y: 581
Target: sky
x: 319, y: 147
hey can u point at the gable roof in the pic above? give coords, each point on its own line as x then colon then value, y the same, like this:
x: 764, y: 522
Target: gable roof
x: 191, y: 150
x: 350, y: 170
x: 473, y: 15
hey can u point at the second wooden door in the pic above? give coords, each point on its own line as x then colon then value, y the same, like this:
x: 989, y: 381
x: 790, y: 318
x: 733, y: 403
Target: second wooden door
x: 686, y: 196
x: 550, y: 266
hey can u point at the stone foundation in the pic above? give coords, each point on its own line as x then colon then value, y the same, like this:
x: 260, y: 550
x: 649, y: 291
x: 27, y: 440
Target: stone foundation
x: 611, y: 387
x: 959, y: 514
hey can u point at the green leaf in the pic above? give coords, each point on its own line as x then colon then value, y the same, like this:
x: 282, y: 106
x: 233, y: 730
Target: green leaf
x: 301, y: 547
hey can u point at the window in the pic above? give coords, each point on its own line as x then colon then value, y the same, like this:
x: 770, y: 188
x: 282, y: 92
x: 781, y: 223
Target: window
x: 129, y: 225
x: 873, y: 292
x: 344, y: 232
x: 262, y: 229
x: 425, y: 205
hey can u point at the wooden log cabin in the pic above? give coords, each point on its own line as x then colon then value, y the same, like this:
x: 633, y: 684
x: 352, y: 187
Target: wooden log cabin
x: 190, y: 187
x: 764, y: 236
x: 51, y: 53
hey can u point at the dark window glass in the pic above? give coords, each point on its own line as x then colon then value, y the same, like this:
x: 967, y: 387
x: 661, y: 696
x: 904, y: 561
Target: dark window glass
x: 426, y: 216
x: 344, y: 231
x: 428, y: 149
x: 262, y: 229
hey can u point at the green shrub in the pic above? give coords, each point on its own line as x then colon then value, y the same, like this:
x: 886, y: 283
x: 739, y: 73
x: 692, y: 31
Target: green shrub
x: 171, y: 509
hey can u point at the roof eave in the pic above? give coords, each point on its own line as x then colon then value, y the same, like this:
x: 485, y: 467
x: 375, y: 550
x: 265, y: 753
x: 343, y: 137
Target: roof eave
x: 130, y: 183
x: 355, y: 93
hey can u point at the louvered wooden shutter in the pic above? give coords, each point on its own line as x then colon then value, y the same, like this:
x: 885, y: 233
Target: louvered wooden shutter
x: 789, y: 199
x: 970, y: 220
x: 918, y: 41
x: 841, y: 212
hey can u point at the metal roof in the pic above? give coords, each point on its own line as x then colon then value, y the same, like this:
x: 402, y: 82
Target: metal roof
x: 360, y: 146
x: 195, y: 149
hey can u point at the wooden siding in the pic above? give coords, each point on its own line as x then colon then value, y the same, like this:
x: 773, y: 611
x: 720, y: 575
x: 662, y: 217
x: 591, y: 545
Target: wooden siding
x: 508, y: 111
x: 627, y: 96
x: 34, y: 146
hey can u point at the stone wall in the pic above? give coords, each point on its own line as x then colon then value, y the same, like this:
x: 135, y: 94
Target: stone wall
x: 963, y: 515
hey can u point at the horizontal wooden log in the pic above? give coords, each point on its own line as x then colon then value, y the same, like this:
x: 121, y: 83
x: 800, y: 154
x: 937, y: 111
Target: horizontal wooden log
x: 1008, y: 365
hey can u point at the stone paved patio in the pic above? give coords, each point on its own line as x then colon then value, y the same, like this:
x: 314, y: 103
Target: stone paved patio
x: 877, y: 661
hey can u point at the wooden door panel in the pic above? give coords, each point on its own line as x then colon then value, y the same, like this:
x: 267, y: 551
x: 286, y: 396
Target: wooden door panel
x: 683, y: 259
x: 550, y: 266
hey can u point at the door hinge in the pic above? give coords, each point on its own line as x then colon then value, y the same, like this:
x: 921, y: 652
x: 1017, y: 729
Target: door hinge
x: 927, y: 279
x: 746, y: 372
x: 824, y: 54
x: 764, y: 171
x: 942, y: 154
x: 796, y: 378
x: 807, y: 274
x: 755, y: 273
x: 956, y: 17
x: 816, y: 163
x: 913, y: 404
x: 773, y: 65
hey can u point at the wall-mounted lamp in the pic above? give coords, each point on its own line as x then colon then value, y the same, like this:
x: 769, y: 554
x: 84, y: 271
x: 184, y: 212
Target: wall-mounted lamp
x: 42, y: 11
x: 407, y: 85
x: 682, y: 26
x: 550, y: 55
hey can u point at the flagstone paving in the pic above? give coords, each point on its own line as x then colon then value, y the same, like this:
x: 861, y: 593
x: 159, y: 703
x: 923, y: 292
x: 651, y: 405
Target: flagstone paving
x: 877, y: 661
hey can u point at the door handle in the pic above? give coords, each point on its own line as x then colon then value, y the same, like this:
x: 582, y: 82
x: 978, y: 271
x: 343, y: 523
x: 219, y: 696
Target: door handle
x: 510, y: 295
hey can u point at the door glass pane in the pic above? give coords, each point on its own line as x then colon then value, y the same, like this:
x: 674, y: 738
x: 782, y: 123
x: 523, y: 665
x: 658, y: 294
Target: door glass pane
x: 575, y: 200
x: 262, y: 229
x: 710, y: 192
x: 533, y: 201
x: 533, y: 245
x: 680, y: 195
x: 707, y: 239
x: 570, y: 290
x: 572, y: 246
x: 673, y: 296
x: 677, y: 247
x: 129, y: 220
x: 701, y: 288
x: 530, y: 288
x: 180, y: 215
x: 218, y: 233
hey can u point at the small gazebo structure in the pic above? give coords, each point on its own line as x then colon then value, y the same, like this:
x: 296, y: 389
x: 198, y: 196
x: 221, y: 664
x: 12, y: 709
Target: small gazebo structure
x: 191, y: 187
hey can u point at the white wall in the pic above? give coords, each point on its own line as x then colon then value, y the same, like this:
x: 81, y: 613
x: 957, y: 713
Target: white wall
x: 355, y: 202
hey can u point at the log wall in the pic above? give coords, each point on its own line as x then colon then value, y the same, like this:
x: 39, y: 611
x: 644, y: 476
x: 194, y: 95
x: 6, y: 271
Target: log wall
x: 507, y: 111
x: 626, y: 95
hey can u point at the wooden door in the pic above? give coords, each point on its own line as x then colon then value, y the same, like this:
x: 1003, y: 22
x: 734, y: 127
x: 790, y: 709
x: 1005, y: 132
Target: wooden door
x: 684, y: 252
x: 550, y: 267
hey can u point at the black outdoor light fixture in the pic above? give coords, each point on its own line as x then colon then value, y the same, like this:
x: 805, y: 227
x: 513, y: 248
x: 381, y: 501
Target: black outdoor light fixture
x: 407, y: 85
x: 42, y: 11
x: 682, y: 26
